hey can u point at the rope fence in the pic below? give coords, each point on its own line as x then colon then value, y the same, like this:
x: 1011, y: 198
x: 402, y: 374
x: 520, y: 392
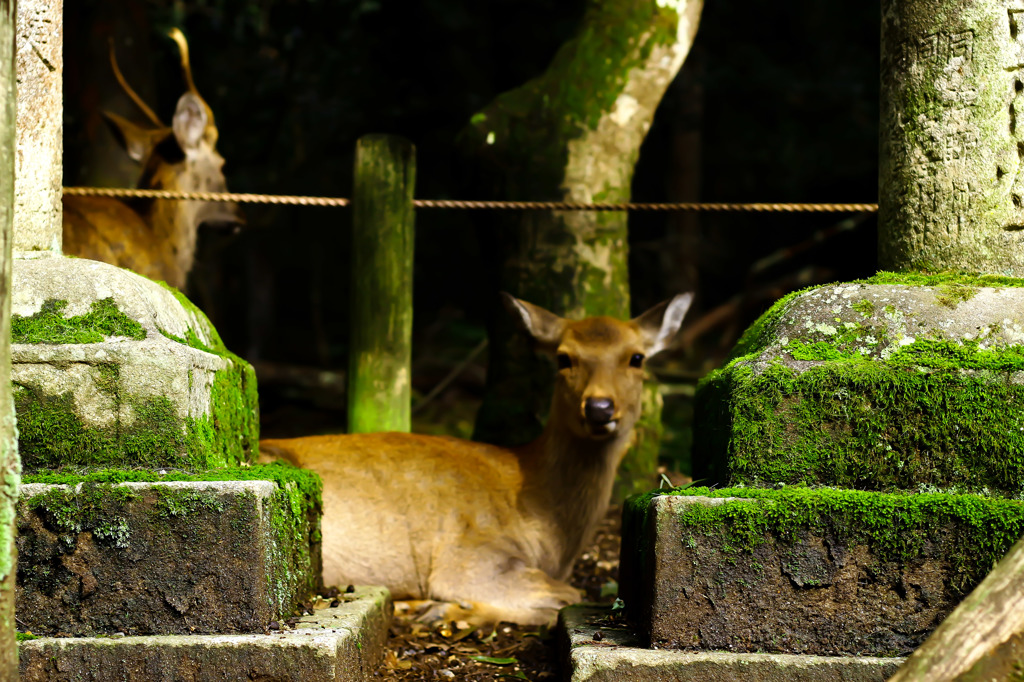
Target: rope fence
x: 475, y: 205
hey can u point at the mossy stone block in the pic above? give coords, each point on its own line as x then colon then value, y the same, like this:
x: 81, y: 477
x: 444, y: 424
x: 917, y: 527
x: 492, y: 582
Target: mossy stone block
x: 840, y: 571
x: 167, y: 557
x: 877, y: 386
x: 112, y: 369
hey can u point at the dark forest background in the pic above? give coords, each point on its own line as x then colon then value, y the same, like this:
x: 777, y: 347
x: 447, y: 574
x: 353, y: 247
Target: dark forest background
x: 776, y: 103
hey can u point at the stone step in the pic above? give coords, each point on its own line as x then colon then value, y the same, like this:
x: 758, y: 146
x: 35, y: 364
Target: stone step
x: 342, y: 644
x: 597, y: 646
x: 167, y: 557
x: 805, y: 571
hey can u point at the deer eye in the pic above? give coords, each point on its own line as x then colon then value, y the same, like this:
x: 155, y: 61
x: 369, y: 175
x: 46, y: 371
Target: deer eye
x: 636, y: 360
x: 563, y: 361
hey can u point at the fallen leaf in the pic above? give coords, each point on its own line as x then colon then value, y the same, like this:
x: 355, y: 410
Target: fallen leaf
x: 493, y: 660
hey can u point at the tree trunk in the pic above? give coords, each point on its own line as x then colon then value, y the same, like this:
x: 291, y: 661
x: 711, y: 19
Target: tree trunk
x: 982, y: 638
x: 10, y: 466
x: 571, y: 134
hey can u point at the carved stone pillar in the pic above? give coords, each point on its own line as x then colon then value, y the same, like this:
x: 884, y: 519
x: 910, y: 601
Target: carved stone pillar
x: 40, y: 68
x: 951, y: 177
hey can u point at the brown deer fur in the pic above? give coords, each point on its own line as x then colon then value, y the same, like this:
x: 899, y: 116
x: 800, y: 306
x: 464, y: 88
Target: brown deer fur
x: 494, y: 529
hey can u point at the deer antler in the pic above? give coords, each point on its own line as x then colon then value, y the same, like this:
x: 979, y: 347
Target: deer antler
x: 186, y: 67
x: 128, y: 89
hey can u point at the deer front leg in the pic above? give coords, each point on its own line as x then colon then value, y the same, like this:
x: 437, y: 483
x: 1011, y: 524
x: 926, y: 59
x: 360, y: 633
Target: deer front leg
x: 510, y: 591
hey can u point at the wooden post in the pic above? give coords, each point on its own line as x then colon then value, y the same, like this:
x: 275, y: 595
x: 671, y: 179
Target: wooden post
x: 380, y: 349
x: 10, y: 465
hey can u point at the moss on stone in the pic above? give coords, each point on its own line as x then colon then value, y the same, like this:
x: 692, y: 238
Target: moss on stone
x: 50, y: 434
x: 73, y: 511
x: 192, y: 337
x: 305, y: 484
x: 936, y: 279
x: 975, y: 531
x: 757, y: 334
x: 231, y: 432
x: 174, y: 502
x: 952, y: 294
x: 873, y: 411
x: 865, y: 307
x: 49, y: 325
x: 935, y: 415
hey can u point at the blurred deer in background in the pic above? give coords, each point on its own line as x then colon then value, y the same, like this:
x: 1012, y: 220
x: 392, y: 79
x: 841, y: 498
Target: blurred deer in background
x: 156, y: 237
x: 493, y: 529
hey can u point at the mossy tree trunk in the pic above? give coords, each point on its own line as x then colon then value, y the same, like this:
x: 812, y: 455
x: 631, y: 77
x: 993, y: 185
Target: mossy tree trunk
x: 572, y: 134
x: 10, y: 468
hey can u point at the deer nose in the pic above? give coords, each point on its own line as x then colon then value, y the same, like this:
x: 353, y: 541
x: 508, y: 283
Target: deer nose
x: 599, y: 410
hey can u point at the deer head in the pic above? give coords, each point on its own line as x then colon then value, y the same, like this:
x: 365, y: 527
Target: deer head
x: 600, y: 362
x: 181, y: 157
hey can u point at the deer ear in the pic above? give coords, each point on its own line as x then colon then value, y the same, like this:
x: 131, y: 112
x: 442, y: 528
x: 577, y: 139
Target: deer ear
x: 137, y: 141
x: 660, y: 324
x: 545, y: 327
x: 190, y: 120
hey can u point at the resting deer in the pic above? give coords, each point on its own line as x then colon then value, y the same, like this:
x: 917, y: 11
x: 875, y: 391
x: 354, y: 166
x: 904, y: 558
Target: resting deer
x: 493, y: 529
x: 156, y: 237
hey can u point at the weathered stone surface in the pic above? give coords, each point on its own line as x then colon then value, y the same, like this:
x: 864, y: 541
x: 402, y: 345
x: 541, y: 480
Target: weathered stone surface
x: 40, y: 69
x: 873, y: 386
x: 617, y: 657
x: 342, y: 644
x: 951, y: 178
x: 823, y: 572
x: 113, y: 369
x: 161, y: 558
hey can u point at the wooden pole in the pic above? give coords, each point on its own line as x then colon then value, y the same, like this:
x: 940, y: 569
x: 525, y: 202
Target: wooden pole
x: 380, y: 350
x: 982, y: 635
x: 10, y: 465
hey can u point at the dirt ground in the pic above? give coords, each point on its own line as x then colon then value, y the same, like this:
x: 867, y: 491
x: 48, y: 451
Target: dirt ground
x: 457, y: 651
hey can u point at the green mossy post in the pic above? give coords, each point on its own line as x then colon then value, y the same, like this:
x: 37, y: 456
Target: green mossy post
x: 10, y: 465
x: 380, y: 351
x: 951, y: 177
x: 572, y: 134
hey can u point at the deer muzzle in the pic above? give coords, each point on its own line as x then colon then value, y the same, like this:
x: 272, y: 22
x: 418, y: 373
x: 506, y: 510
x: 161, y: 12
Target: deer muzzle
x: 599, y: 414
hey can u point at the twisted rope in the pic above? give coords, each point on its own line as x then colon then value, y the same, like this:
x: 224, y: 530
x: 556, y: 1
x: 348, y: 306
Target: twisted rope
x: 472, y: 205
x: 205, y: 196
